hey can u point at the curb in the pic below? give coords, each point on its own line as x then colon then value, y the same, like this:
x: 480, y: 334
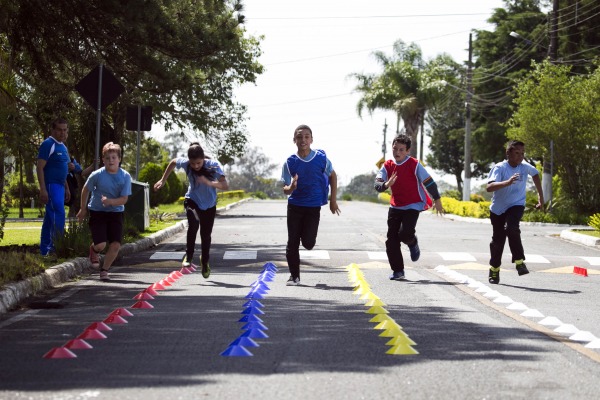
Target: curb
x: 581, y: 238
x: 14, y: 293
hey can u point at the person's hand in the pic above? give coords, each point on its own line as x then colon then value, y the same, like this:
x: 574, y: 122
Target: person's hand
x: 203, y: 180
x: 43, y: 196
x: 540, y: 205
x: 437, y: 206
x: 294, y: 184
x: 81, y: 214
x: 105, y: 201
x: 158, y: 185
x: 67, y: 195
x: 392, y: 180
x: 516, y: 177
x: 334, y: 207
x: 71, y: 166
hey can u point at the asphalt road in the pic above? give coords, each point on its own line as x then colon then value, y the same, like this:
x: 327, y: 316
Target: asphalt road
x: 320, y: 339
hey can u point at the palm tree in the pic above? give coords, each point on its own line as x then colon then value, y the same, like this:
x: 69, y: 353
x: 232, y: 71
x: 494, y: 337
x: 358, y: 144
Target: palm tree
x: 408, y: 86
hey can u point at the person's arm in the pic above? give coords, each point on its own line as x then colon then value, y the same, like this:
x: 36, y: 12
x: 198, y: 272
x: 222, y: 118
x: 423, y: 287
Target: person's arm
x: 220, y: 184
x: 166, y: 174
x: 83, y: 210
x: 333, y: 207
x: 538, y: 186
x: 41, y: 163
x: 117, y: 201
x: 67, y: 192
x: 493, y: 186
x: 88, y: 170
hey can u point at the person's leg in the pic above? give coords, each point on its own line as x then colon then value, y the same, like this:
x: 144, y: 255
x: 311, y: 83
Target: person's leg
x: 191, y: 212
x: 513, y: 232
x: 292, y: 248
x: 496, y: 246
x: 54, y: 218
x: 114, y: 234
x: 392, y: 244
x: 207, y: 221
x: 310, y: 227
x: 407, y: 232
x: 98, y: 223
x: 498, y: 238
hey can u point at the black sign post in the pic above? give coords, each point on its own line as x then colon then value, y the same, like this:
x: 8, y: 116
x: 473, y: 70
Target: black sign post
x: 99, y: 88
x: 139, y: 119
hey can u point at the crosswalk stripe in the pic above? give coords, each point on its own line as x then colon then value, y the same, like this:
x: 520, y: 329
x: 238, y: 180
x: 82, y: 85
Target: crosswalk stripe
x: 168, y: 255
x: 591, y: 260
x: 456, y: 256
x: 377, y: 255
x: 240, y: 255
x: 314, y: 255
x: 536, y: 259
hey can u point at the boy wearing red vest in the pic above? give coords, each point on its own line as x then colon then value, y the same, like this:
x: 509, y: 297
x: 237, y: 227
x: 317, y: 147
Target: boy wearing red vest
x: 409, y: 182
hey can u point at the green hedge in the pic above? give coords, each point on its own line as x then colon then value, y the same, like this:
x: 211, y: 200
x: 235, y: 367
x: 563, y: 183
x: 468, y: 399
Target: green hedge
x: 480, y: 209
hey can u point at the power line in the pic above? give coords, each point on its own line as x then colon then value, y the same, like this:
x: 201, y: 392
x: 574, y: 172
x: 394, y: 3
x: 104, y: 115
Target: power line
x: 367, y: 16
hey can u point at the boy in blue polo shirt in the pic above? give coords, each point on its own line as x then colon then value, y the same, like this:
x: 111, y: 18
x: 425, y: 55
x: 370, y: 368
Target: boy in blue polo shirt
x: 508, y: 181
x: 307, y: 176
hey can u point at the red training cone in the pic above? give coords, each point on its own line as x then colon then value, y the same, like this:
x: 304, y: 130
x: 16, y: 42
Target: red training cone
x: 580, y: 271
x: 143, y: 295
x: 92, y: 334
x: 115, y: 319
x: 122, y: 312
x: 101, y: 326
x: 142, y: 304
x: 60, y: 352
x: 78, y: 344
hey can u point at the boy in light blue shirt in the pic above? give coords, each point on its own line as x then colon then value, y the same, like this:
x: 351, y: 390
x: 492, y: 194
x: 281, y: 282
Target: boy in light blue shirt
x: 508, y: 181
x: 110, y: 188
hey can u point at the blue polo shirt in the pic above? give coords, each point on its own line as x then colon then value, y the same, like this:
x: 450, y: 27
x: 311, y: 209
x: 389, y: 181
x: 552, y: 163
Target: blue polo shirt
x: 57, y: 159
x: 101, y: 182
x: 204, y: 196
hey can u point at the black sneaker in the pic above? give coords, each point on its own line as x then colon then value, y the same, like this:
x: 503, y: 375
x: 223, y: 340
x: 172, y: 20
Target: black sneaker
x: 494, y: 276
x: 397, y: 276
x: 293, y: 281
x: 205, y: 269
x: 522, y: 269
x: 184, y: 263
x: 415, y: 252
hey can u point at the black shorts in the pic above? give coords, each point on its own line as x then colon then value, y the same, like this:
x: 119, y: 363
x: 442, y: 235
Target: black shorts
x: 106, y: 226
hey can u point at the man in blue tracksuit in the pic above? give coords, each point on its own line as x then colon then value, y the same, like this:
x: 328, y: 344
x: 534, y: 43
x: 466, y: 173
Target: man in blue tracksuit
x: 307, y: 176
x: 52, y: 169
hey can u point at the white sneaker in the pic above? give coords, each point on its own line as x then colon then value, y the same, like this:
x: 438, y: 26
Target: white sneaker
x: 293, y: 281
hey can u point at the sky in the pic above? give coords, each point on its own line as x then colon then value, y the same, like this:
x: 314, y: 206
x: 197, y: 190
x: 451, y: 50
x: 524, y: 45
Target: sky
x: 311, y: 47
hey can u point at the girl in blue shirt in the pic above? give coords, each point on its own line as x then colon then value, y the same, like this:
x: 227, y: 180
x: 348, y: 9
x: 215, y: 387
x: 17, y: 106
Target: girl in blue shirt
x: 205, y: 176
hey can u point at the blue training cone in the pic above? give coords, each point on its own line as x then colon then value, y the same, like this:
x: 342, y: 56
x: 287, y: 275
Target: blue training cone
x: 252, y: 310
x: 270, y: 266
x: 244, y: 341
x: 254, y: 325
x: 253, y: 303
x: 250, y: 318
x: 236, y: 351
x: 255, y: 333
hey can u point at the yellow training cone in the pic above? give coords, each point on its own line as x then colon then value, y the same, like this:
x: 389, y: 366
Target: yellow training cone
x: 392, y: 331
x: 377, y: 310
x: 369, y: 295
x: 387, y: 324
x: 402, y: 349
x: 375, y: 302
x: 381, y: 317
x: 401, y: 339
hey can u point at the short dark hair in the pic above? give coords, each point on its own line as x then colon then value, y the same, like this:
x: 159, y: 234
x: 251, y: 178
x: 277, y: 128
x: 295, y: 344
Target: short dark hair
x: 300, y: 127
x: 58, y: 121
x: 195, y: 151
x: 514, y: 143
x: 403, y: 139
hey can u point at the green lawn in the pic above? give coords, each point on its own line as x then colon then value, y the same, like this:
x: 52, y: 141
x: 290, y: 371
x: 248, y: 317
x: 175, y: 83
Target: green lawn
x: 587, y: 232
x: 28, y: 232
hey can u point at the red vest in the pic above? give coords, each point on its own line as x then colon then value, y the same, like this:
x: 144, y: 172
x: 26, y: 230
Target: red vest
x: 405, y: 190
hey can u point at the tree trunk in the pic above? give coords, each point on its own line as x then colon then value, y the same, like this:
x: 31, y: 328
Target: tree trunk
x: 411, y: 124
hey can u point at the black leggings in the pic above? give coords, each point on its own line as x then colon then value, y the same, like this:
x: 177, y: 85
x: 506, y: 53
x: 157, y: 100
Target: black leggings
x: 303, y: 225
x: 506, y: 226
x: 203, y: 219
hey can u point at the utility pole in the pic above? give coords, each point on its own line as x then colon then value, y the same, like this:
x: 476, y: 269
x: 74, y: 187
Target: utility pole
x: 383, y: 145
x: 548, y: 171
x: 467, y: 181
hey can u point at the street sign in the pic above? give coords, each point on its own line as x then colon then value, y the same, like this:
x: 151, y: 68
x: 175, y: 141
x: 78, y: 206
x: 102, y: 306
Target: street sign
x: 145, y: 114
x: 111, y: 88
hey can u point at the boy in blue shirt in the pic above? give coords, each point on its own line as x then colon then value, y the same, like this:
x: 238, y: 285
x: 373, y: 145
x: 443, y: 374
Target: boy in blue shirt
x: 508, y: 180
x: 110, y: 188
x: 307, y: 176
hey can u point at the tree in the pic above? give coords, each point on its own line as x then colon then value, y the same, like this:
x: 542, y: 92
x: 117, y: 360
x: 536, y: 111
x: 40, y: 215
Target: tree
x: 555, y: 105
x: 182, y: 58
x: 150, y: 151
x: 408, y: 86
x: 252, y: 172
x: 361, y: 185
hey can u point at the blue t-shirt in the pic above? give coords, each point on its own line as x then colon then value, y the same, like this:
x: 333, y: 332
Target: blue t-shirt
x: 204, y: 196
x: 57, y: 159
x: 101, y: 182
x: 313, y: 178
x: 513, y: 195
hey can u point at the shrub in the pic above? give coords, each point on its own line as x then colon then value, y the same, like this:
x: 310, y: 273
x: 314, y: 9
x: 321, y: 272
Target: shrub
x: 75, y: 241
x: 259, y: 195
x: 151, y: 173
x: 594, y: 221
x: 347, y: 197
x: 453, y: 194
x: 19, y: 265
